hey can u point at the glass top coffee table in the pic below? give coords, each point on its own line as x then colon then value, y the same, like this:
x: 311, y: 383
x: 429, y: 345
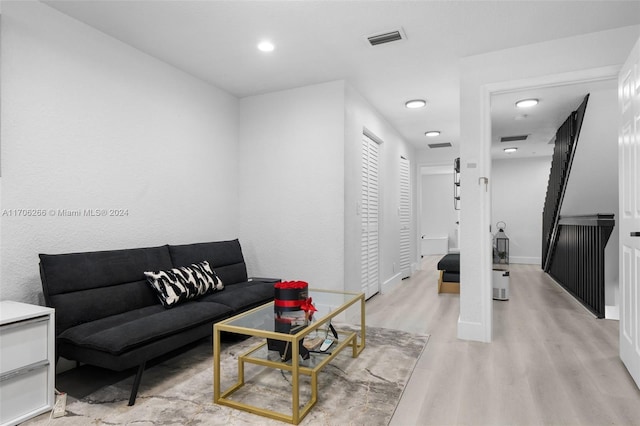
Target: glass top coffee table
x: 259, y: 322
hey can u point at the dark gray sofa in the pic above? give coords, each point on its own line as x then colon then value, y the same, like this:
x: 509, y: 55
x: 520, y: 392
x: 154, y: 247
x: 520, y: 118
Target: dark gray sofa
x: 107, y: 314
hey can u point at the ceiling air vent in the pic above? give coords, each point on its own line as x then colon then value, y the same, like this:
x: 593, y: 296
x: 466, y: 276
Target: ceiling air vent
x: 386, y: 37
x: 440, y: 145
x: 514, y: 138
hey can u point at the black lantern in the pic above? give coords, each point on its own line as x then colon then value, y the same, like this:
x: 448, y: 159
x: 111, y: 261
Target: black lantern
x: 501, y: 244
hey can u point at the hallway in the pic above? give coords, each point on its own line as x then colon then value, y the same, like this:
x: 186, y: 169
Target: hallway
x: 550, y: 362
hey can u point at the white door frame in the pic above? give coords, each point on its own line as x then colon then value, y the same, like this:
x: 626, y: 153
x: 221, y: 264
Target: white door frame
x: 562, y: 79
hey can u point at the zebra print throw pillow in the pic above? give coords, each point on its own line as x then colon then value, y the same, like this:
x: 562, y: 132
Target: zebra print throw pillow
x: 183, y: 283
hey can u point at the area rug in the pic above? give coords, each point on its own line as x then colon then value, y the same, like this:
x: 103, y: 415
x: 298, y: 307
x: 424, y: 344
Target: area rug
x: 179, y: 391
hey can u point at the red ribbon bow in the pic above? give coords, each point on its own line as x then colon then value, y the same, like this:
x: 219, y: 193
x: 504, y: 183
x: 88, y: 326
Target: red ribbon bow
x: 308, y: 308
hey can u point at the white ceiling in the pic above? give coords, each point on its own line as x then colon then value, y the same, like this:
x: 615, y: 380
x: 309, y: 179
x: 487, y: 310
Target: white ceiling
x: 319, y: 41
x: 540, y: 122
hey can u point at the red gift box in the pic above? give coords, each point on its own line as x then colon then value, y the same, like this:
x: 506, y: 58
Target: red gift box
x: 290, y: 295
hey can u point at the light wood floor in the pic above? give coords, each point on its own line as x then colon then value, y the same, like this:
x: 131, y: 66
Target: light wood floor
x: 550, y: 363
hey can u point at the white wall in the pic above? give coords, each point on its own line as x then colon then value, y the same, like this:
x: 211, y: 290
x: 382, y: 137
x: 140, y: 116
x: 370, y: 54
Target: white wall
x: 437, y: 156
x: 538, y: 64
x: 593, y: 181
x: 360, y: 115
x: 0, y: 151
x: 300, y: 183
x: 438, y: 216
x: 292, y: 184
x: 434, y: 159
x: 518, y: 193
x: 91, y: 123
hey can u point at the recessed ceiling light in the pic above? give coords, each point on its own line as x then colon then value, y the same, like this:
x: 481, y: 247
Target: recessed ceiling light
x: 415, y: 103
x: 432, y: 133
x: 510, y: 150
x: 266, y: 46
x: 526, y: 103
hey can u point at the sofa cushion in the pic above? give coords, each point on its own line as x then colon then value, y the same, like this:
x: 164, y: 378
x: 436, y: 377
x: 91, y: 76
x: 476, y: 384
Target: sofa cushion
x: 84, y: 287
x: 64, y: 273
x: 242, y: 296
x: 77, y: 307
x: 123, y: 332
x: 450, y: 262
x: 225, y: 257
x: 179, y: 284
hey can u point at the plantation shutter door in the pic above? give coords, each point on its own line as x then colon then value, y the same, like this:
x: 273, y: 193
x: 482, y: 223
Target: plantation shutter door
x: 369, y: 212
x: 405, y: 218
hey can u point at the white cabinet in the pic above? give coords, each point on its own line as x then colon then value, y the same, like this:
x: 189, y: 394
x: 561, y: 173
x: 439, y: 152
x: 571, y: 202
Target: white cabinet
x: 434, y: 245
x: 27, y: 363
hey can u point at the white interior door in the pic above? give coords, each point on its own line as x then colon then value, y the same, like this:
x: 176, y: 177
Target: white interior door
x: 404, y: 211
x: 370, y: 214
x: 629, y: 175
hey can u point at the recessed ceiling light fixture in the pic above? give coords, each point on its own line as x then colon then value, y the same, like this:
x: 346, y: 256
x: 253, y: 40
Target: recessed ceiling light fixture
x: 432, y: 133
x: 526, y: 103
x: 266, y: 46
x: 415, y: 103
x: 510, y: 150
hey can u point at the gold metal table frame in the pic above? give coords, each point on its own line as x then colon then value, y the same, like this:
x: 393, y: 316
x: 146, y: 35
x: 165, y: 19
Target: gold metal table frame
x: 240, y: 324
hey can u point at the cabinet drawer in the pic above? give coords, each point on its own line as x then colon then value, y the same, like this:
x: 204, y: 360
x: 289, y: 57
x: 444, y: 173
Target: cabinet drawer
x: 23, y: 343
x: 24, y: 395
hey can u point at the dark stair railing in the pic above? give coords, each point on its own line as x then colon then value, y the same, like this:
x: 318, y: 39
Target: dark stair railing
x: 578, y: 261
x: 573, y: 246
x: 563, y: 153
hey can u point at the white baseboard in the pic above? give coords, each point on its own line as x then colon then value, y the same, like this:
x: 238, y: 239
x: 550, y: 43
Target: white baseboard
x: 473, y: 331
x: 612, y: 312
x: 525, y: 260
x: 389, y: 284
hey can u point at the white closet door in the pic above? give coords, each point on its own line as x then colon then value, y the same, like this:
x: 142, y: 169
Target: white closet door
x: 405, y: 218
x: 369, y: 212
x: 629, y: 222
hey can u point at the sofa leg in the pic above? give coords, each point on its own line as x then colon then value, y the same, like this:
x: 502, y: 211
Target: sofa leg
x: 136, y: 384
